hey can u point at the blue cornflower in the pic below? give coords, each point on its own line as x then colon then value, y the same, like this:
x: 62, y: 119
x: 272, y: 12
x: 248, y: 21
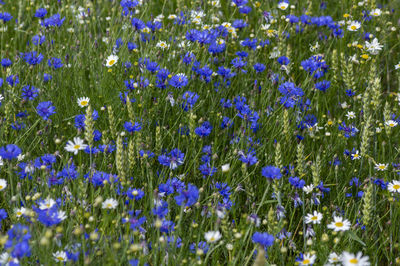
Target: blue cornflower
x: 204, y: 130
x: 239, y: 3
x: 41, y: 13
x: 132, y: 127
x: 10, y: 151
x: 135, y: 193
x: 187, y: 197
x: 138, y: 24
x: 207, y: 170
x: 5, y: 62
x: 249, y: 158
x: 55, y: 62
x: 297, y: 182
x: 179, y: 80
x: 32, y: 58
x: 283, y: 60
x: 264, y: 239
x: 5, y: 17
x: 45, y: 109
x: 29, y: 93
x: 47, y: 77
x: 135, y: 221
x: 173, y: 159
x: 202, y: 245
x: 38, y: 39
x: 271, y: 172
x: 189, y: 98
x: 258, y: 67
x: 53, y: 21
x: 3, y: 215
x: 323, y: 85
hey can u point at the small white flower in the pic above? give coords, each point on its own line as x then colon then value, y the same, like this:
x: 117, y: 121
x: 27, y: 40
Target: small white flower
x: 350, y: 115
x: 354, y: 26
x: 47, y: 204
x: 83, y: 101
x: 381, y: 166
x: 333, y: 258
x: 391, y: 123
x: 308, y: 189
x: 397, y: 66
x: 355, y: 155
x: 308, y: 259
x: 19, y: 212
x: 6, y: 259
x: 75, y: 146
x: 339, y: 224
x: 394, y: 186
x: 283, y: 5
x: 163, y: 45
x: 212, y: 236
x: 349, y: 259
x: 111, y: 60
x: 225, y: 168
x: 314, y: 218
x: 376, y: 12
x: 373, y: 47
x: 3, y: 184
x: 109, y: 204
x: 60, y: 256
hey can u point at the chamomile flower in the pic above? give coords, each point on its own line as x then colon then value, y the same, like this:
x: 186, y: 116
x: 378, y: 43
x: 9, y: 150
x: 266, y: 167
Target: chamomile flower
x: 349, y: 259
x: 60, y: 256
x: 75, y: 146
x: 83, y: 101
x: 394, y: 186
x: 397, y: 66
x: 308, y: 259
x: 19, y: 212
x: 314, y: 218
x: 283, y: 5
x: 109, y: 204
x: 376, y: 12
x: 334, y: 258
x: 3, y: 184
x: 308, y: 189
x: 373, y: 47
x: 212, y: 236
x: 6, y: 259
x: 355, y: 155
x: 339, y: 224
x: 163, y: 45
x: 391, y: 123
x: 354, y: 26
x: 47, y: 204
x: 350, y: 115
x: 381, y: 166
x: 111, y: 60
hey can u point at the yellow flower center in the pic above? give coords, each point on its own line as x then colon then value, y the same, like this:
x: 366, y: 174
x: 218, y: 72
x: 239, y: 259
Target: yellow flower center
x: 109, y: 205
x: 382, y: 167
x: 306, y: 261
x: 1, y: 187
x: 353, y: 27
x: 314, y: 218
x: 60, y: 258
x: 354, y: 261
x: 396, y: 186
x: 339, y: 224
x: 355, y: 155
x: 76, y: 147
x: 19, y: 213
x: 111, y: 62
x: 365, y: 56
x: 212, y: 239
x: 84, y: 103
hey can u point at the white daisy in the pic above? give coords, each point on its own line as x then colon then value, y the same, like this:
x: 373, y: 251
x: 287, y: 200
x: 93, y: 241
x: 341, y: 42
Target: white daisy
x: 334, y: 258
x: 397, y: 66
x: 394, y: 186
x: 391, y: 123
x: 83, y: 101
x: 314, y: 218
x: 373, y: 47
x: 163, y: 45
x: 308, y: 259
x: 349, y: 259
x: 61, y: 215
x: 60, y: 256
x: 19, y: 212
x: 354, y: 26
x: 109, y: 204
x: 283, y: 5
x: 355, y: 155
x: 350, y: 115
x: 376, y: 12
x: 225, y: 168
x: 6, y: 259
x: 381, y: 166
x: 47, y: 204
x: 111, y: 60
x: 308, y: 189
x: 339, y: 224
x: 75, y: 146
x: 212, y: 236
x: 3, y: 184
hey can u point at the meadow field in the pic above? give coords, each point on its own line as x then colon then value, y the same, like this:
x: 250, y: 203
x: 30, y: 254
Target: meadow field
x: 199, y: 132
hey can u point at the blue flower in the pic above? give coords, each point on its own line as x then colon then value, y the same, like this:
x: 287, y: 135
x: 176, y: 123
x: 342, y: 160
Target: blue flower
x: 271, y: 172
x: 29, y: 93
x: 189, y: 98
x: 179, y: 80
x: 5, y: 62
x: 263, y: 239
x: 10, y: 151
x: 323, y: 85
x: 134, y: 193
x: 55, y: 62
x: 173, y: 159
x: 53, y: 21
x: 41, y: 13
x: 204, y: 130
x: 132, y: 127
x: 45, y: 109
x: 32, y: 58
x: 258, y: 67
x: 187, y: 197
